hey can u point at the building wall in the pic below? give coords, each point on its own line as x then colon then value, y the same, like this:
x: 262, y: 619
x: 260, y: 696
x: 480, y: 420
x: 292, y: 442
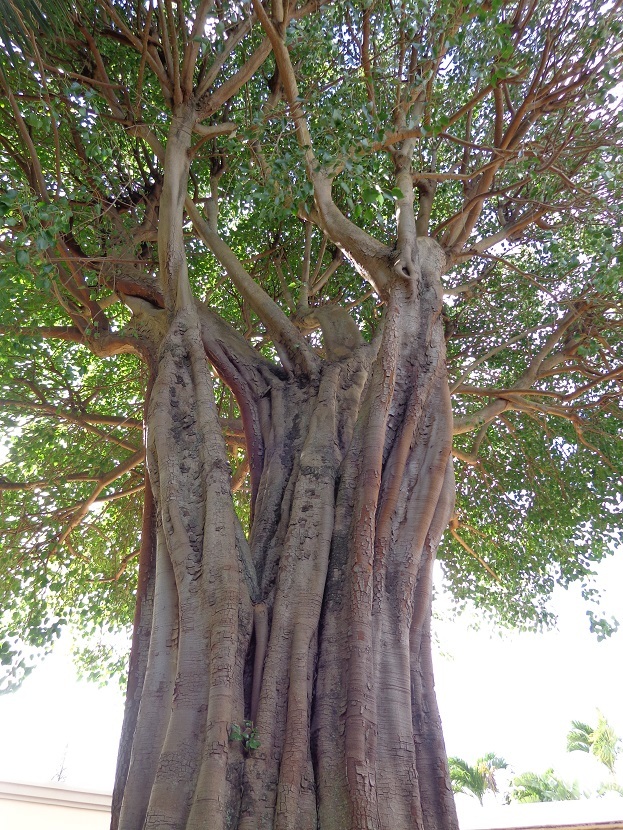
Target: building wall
x: 33, y: 807
x: 583, y: 814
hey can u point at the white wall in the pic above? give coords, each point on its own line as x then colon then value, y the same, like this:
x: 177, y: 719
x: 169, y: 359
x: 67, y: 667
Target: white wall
x: 33, y: 807
x: 583, y: 814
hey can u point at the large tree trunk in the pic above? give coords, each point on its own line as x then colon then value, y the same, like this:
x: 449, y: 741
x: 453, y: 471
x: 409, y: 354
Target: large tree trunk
x: 317, y: 627
x: 354, y: 493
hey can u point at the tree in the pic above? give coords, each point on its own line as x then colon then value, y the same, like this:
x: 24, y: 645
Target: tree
x: 532, y: 786
x: 601, y: 741
x: 289, y: 191
x: 476, y: 780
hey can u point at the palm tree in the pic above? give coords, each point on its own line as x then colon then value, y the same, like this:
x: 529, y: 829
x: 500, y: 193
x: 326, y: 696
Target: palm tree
x: 531, y: 786
x: 601, y: 741
x: 478, y: 779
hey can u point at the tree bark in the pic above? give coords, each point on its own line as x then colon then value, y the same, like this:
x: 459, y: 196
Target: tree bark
x: 312, y: 635
x: 318, y: 628
x: 140, y: 648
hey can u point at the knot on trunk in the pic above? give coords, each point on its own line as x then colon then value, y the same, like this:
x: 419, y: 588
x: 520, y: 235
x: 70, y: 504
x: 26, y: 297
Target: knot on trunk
x: 340, y: 332
x: 407, y: 266
x: 423, y: 257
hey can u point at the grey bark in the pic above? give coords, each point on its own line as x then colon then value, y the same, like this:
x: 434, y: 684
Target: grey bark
x: 318, y: 626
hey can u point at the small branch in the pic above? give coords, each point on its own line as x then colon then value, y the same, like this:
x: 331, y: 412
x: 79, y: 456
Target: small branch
x: 319, y: 283
x: 395, y: 137
x: 303, y: 299
x: 209, y: 132
x: 498, y: 97
x: 122, y: 567
x: 466, y: 458
x: 178, y: 95
x: 84, y: 420
x: 41, y: 484
x: 120, y: 494
x: 285, y: 288
x: 365, y: 59
x: 219, y: 60
x: 106, y: 88
x: 214, y: 130
x: 35, y: 169
x: 239, y: 477
x: 473, y: 553
x: 491, y: 353
x: 612, y: 375
x: 209, y: 104
x: 153, y: 58
x: 479, y: 248
x: 492, y: 392
x: 233, y: 431
x: 79, y: 514
x: 71, y: 334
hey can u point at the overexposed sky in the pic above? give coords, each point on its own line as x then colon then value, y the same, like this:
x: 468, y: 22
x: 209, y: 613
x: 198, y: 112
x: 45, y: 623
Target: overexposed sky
x: 516, y: 694
x: 512, y: 694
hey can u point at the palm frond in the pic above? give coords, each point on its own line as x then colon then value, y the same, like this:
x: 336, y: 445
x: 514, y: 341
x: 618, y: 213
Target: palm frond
x: 579, y: 738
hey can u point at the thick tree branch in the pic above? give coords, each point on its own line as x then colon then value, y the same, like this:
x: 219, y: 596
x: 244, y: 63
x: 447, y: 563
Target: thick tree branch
x: 277, y: 323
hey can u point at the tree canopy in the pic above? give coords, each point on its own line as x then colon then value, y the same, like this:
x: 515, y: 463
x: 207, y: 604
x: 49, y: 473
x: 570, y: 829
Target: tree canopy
x: 511, y: 116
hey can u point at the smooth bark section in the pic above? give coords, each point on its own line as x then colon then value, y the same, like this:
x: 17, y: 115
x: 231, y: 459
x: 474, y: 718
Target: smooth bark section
x: 156, y: 697
x: 180, y: 768
x: 205, y: 602
x: 171, y: 252
x: 404, y: 494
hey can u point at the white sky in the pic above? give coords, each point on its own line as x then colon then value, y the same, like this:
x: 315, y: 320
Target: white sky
x: 514, y: 695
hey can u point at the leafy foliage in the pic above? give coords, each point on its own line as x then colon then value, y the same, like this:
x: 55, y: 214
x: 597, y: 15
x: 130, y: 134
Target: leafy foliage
x: 517, y: 174
x: 532, y: 786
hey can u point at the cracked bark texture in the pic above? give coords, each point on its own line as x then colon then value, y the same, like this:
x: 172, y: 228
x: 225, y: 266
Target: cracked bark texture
x: 317, y: 626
